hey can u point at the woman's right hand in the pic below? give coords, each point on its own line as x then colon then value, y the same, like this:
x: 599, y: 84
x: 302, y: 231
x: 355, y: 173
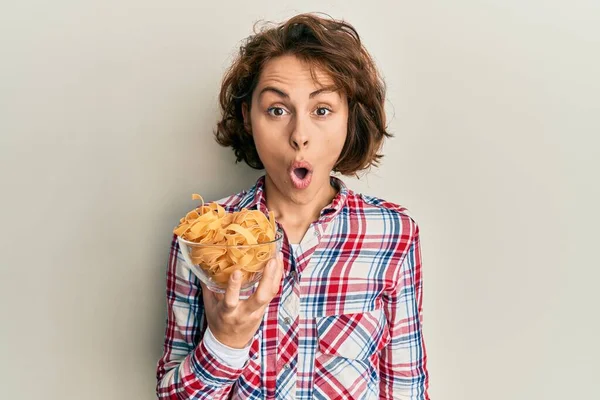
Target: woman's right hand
x: 234, y: 322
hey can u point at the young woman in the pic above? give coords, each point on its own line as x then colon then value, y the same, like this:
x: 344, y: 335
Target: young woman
x: 338, y: 314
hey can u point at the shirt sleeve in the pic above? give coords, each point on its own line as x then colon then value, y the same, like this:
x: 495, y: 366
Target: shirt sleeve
x: 187, y: 369
x: 403, y: 361
x: 235, y: 358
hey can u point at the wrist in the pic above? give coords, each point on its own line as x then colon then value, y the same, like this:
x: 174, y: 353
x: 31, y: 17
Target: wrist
x: 230, y: 340
x: 235, y: 358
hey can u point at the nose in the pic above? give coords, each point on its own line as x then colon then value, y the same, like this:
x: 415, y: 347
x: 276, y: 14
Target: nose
x: 299, y: 137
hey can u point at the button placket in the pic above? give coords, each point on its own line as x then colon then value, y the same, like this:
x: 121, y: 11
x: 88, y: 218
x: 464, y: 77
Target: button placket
x: 293, y: 275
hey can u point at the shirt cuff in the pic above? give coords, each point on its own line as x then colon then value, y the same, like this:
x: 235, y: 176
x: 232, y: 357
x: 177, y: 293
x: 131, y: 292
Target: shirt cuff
x: 210, y: 370
x: 234, y: 358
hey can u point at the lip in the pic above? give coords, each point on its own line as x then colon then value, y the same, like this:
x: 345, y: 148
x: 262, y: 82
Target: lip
x: 297, y: 182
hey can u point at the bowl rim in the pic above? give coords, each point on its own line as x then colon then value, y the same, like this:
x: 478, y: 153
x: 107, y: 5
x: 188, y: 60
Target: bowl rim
x: 279, y: 234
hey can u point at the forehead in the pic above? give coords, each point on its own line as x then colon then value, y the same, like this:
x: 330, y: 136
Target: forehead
x: 292, y: 74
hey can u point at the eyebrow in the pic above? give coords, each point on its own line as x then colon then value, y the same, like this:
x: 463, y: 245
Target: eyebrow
x: 287, y: 96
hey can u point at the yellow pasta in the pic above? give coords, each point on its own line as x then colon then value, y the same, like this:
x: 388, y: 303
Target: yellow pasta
x: 211, y: 225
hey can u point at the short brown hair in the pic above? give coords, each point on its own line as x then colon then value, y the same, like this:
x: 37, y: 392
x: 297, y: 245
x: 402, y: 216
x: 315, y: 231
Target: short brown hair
x: 331, y: 45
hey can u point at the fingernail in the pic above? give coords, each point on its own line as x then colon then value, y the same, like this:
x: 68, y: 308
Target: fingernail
x: 236, y: 275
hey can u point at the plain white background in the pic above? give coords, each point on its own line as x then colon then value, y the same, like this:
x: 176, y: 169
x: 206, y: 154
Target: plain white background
x: 106, y: 117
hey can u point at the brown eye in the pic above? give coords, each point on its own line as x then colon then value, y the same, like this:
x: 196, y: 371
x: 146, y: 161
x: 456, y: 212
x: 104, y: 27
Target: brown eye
x: 276, y: 111
x: 323, y: 111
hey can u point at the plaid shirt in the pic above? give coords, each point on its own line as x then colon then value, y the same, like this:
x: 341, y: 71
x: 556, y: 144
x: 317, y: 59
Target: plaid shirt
x: 346, y: 323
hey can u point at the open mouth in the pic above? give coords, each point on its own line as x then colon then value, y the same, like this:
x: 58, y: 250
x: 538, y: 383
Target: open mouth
x: 301, y: 172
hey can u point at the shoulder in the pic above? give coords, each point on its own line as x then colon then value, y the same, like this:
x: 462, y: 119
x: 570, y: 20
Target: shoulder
x: 393, y: 215
x: 235, y: 202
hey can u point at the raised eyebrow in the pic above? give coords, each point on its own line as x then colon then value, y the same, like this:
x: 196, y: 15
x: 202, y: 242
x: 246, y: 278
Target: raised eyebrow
x: 279, y: 92
x: 328, y: 89
x: 283, y: 94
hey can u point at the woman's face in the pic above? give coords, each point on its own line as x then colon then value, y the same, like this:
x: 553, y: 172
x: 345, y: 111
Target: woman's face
x: 299, y: 126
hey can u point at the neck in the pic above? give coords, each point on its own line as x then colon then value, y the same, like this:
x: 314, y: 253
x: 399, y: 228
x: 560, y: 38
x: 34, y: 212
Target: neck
x: 293, y: 212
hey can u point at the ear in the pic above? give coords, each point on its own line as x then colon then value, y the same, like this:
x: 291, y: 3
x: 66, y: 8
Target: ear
x: 246, y: 115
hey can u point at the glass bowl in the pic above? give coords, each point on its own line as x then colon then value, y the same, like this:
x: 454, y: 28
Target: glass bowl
x: 200, y: 259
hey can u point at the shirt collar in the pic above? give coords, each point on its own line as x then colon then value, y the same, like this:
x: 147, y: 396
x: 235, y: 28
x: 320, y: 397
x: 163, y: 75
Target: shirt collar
x: 254, y: 198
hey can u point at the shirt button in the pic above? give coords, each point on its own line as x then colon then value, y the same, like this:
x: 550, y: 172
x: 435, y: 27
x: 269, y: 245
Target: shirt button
x: 287, y: 320
x: 287, y: 366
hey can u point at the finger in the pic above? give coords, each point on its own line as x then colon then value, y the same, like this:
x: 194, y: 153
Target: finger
x: 208, y: 296
x: 279, y: 271
x: 232, y: 293
x: 266, y: 287
x: 212, y: 296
